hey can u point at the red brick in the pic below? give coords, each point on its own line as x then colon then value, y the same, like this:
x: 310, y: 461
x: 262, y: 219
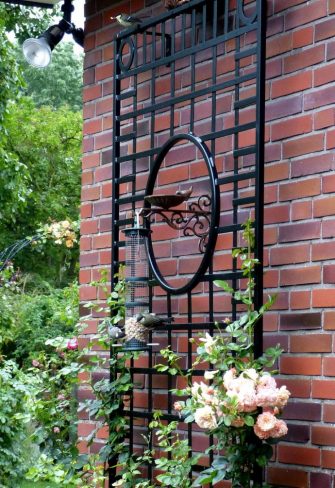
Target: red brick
x: 306, y: 13
x: 280, y: 5
x: 303, y: 37
x: 312, y: 165
x: 323, y: 389
x: 287, y: 477
x: 311, y: 343
x: 299, y: 231
x: 90, y: 193
x: 307, y: 456
x: 328, y: 184
x: 329, y: 320
x: 330, y: 140
x: 277, y: 109
x: 303, y: 145
x: 299, y: 387
x: 289, y: 254
x: 291, y: 84
x: 324, y: 30
x: 322, y: 251
x: 300, y: 300
x: 324, y: 206
x: 102, y: 241
x: 301, y: 210
x: 319, y: 97
x: 84, y: 429
x: 91, y: 160
x: 291, y: 127
x: 85, y: 243
x: 86, y: 210
x: 328, y: 459
x: 91, y: 93
x: 323, y: 435
x: 308, y: 365
x: 329, y: 366
x: 299, y: 189
x: 87, y: 178
x: 103, y: 71
x: 279, y: 44
x: 89, y: 227
x: 304, y: 59
x: 324, y: 75
x: 323, y: 297
x: 300, y: 276
x: 92, y: 126
x: 87, y: 293
x: 324, y: 118
x: 329, y: 412
x: 276, y: 213
x: 276, y: 172
x: 300, y: 321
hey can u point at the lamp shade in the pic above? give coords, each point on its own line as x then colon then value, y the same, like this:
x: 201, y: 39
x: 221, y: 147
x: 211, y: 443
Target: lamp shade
x: 37, y: 52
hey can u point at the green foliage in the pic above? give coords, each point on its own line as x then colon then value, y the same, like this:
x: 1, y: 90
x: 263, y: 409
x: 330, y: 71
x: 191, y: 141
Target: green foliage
x: 58, y: 84
x: 27, y: 320
x: 43, y: 185
x: 17, y: 394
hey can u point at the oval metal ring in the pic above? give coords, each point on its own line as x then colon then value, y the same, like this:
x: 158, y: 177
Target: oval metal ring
x: 215, y: 212
x: 124, y: 42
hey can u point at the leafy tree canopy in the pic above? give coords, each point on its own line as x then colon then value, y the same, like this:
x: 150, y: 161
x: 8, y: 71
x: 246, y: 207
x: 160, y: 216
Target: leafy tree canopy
x: 47, y: 142
x: 58, y: 84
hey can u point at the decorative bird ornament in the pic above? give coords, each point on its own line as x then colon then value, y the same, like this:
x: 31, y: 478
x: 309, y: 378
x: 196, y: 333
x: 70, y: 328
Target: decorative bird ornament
x: 185, y: 193
x: 150, y: 320
x: 127, y: 20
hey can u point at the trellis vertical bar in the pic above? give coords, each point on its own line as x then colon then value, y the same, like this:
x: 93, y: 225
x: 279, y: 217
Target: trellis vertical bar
x: 115, y: 206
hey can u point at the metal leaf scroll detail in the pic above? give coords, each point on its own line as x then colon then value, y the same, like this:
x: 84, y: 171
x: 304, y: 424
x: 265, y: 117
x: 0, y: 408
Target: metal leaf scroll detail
x: 193, y: 222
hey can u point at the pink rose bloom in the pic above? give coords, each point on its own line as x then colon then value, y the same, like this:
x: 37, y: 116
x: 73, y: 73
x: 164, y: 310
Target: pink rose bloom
x: 250, y: 374
x: 205, y: 418
x: 72, y: 344
x: 228, y: 377
x: 246, y: 401
x: 61, y: 397
x: 266, y: 397
x: 56, y: 430
x: 209, y: 343
x: 178, y: 406
x: 260, y: 433
x: 282, y: 397
x: 36, y: 363
x: 266, y: 421
x: 280, y: 429
x: 266, y: 381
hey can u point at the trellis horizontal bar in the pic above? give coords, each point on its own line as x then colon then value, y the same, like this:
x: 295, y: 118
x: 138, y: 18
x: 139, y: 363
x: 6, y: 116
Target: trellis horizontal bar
x: 231, y: 179
x: 125, y: 95
x: 126, y: 137
x: 244, y: 151
x: 246, y: 53
x: 243, y: 201
x: 188, y: 96
x: 165, y: 60
x: 132, y: 199
x: 245, y: 102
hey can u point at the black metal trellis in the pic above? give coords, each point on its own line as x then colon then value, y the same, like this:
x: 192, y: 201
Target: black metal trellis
x: 198, y: 69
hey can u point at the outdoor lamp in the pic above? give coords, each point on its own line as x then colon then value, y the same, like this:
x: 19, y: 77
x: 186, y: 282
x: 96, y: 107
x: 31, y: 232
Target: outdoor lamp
x: 38, y: 51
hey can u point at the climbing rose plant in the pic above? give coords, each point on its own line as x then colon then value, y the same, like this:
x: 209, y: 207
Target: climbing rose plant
x: 238, y: 401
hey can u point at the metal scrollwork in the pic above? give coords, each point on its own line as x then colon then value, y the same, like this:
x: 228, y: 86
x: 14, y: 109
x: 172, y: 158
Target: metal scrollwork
x: 245, y: 19
x: 193, y: 222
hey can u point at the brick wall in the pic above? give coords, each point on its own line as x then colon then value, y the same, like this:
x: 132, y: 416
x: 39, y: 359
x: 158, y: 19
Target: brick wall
x: 299, y: 253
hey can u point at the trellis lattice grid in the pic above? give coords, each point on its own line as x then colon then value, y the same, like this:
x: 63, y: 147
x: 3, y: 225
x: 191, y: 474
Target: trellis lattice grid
x: 197, y: 69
